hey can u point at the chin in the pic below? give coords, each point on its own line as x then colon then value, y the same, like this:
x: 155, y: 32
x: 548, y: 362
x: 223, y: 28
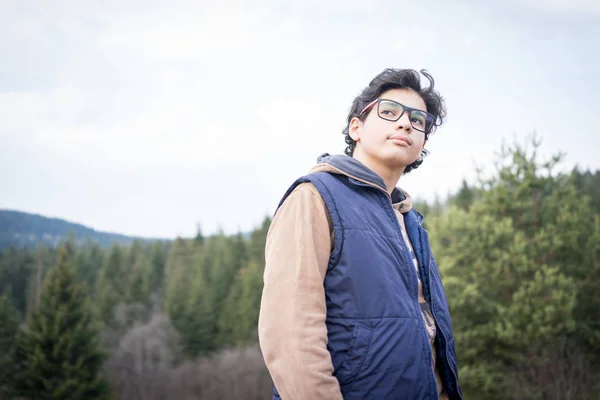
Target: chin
x: 398, y: 161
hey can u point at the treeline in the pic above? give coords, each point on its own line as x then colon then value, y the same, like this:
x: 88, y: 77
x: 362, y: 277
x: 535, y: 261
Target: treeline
x: 520, y: 258
x: 519, y: 253
x: 162, y: 320
x: 25, y: 230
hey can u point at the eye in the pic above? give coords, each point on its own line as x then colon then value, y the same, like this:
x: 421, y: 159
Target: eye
x: 389, y: 110
x: 417, y: 121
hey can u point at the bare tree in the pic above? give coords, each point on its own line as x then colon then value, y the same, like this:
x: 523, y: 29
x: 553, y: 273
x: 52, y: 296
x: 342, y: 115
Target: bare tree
x: 231, y: 374
x: 144, y: 358
x: 147, y: 363
x: 559, y: 372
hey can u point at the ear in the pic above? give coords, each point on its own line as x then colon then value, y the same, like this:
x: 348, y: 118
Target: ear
x: 424, y: 143
x: 355, y: 128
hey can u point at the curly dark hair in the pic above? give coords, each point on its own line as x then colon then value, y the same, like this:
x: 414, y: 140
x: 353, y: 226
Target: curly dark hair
x: 397, y: 79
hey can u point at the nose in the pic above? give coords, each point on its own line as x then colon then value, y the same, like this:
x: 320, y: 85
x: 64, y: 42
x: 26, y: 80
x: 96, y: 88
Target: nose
x: 404, y: 124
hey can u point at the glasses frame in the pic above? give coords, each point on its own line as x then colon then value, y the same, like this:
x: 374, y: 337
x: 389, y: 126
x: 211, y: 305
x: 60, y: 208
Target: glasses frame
x: 404, y: 109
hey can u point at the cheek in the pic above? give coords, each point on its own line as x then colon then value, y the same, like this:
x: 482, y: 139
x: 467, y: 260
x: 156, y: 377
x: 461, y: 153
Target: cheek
x: 419, y: 141
x: 369, y: 136
x: 377, y: 130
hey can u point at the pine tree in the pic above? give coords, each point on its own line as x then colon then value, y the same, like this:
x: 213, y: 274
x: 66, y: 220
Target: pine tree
x: 216, y: 264
x: 514, y: 266
x: 258, y: 239
x: 464, y: 197
x: 9, y: 326
x: 58, y: 353
x: 134, y: 252
x: 198, y: 328
x: 112, y: 282
x: 178, y: 278
x: 154, y: 274
x: 135, y: 291
x: 16, y: 270
x: 199, y: 239
x: 89, y: 260
x: 239, y: 319
x: 250, y: 304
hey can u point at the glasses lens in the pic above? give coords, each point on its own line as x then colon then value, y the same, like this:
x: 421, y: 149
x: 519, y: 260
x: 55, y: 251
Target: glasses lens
x: 390, y: 110
x: 421, y: 121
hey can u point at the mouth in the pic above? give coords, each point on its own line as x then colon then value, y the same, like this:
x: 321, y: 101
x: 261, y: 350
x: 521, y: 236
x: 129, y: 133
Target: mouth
x: 400, y: 138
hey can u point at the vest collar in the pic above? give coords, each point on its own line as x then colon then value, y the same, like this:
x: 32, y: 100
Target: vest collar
x: 358, y: 173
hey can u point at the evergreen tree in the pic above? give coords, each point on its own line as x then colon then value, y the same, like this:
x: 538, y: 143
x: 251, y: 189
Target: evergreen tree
x: 44, y: 259
x: 515, y: 266
x: 249, y: 305
x: 112, y: 282
x: 179, y: 276
x: 464, y: 197
x: 199, y: 239
x: 258, y: 240
x: 16, y: 269
x: 198, y: 330
x: 199, y: 333
x: 58, y: 353
x: 9, y: 326
x: 239, y: 319
x: 154, y: 274
x: 216, y: 265
x: 135, y: 288
x: 134, y: 252
x: 588, y: 183
x: 89, y: 259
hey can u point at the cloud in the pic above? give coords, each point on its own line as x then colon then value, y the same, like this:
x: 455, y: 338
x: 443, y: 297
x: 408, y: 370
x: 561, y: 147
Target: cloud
x: 581, y: 7
x: 160, y: 102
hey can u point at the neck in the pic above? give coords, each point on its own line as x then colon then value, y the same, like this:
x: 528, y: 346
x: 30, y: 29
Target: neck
x: 390, y: 175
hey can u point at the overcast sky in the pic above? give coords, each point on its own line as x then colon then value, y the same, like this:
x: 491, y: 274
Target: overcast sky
x: 147, y: 117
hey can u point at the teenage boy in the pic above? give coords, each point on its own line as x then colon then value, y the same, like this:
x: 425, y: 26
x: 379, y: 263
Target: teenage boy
x: 353, y: 305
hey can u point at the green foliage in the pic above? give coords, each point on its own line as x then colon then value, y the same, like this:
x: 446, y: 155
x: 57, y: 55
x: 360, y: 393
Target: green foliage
x: 9, y: 326
x: 518, y: 268
x: 239, y: 319
x: 153, y: 271
x: 135, y: 291
x: 89, y: 259
x: 464, y: 197
x: 16, y: 266
x: 178, y: 275
x: 112, y: 282
x: 58, y: 353
x: 216, y: 262
x: 258, y: 239
x: 519, y: 253
x: 588, y: 183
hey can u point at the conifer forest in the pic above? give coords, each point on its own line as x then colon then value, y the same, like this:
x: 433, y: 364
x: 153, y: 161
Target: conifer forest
x: 518, y: 250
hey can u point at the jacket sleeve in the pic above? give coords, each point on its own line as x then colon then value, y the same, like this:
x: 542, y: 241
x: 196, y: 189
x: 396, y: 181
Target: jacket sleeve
x: 292, y: 329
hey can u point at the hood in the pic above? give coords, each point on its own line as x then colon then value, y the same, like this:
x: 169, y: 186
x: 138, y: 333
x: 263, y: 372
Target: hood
x: 352, y: 168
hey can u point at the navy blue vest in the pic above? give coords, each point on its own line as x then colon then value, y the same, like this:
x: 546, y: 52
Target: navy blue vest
x: 377, y: 338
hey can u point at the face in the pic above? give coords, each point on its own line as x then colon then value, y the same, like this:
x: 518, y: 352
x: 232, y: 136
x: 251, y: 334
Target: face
x: 386, y: 143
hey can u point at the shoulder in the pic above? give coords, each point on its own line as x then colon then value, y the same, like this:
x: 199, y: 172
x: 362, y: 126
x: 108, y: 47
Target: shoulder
x: 303, y: 193
x: 303, y: 209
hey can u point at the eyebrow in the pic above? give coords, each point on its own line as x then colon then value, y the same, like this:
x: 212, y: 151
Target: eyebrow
x: 406, y: 107
x: 418, y: 110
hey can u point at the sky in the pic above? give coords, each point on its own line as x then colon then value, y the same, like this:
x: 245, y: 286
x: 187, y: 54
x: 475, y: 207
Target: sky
x: 149, y: 117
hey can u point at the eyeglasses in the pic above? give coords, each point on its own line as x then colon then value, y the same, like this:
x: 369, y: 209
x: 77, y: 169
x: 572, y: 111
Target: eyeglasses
x: 391, y: 110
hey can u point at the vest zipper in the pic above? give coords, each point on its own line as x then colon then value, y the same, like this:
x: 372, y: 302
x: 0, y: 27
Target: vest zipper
x: 454, y: 376
x: 418, y: 307
x: 419, y: 312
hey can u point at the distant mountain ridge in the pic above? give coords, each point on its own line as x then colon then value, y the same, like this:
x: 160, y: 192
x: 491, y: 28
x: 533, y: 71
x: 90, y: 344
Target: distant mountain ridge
x: 21, y: 229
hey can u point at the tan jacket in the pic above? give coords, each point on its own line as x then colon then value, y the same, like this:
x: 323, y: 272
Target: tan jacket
x: 292, y: 329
